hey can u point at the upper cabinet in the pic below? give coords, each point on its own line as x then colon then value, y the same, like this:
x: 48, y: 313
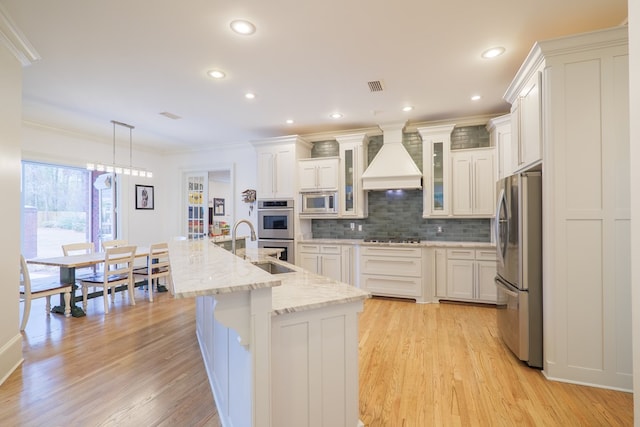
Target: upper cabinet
x: 500, y: 131
x: 473, y: 182
x: 353, y: 157
x: 436, y: 144
x: 277, y: 166
x: 318, y: 174
x: 526, y: 123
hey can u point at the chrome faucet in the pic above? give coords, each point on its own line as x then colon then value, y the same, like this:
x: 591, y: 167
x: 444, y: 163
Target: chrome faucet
x: 233, y: 233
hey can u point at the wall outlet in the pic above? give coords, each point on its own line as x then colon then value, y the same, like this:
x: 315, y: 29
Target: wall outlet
x: 439, y: 229
x: 359, y: 227
x: 353, y: 226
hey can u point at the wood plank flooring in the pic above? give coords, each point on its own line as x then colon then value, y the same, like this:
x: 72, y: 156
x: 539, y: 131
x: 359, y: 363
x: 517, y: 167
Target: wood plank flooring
x: 420, y: 365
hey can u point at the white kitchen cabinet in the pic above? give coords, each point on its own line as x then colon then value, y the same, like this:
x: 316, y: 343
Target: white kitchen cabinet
x: 527, y: 124
x: 318, y: 174
x: 436, y: 144
x: 500, y: 132
x: 392, y: 271
x: 332, y: 261
x: 584, y: 95
x: 470, y: 274
x: 277, y: 166
x: 353, y: 161
x: 473, y: 182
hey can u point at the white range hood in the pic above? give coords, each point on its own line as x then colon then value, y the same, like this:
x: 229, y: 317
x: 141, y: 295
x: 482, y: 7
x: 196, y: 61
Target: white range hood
x: 392, y: 168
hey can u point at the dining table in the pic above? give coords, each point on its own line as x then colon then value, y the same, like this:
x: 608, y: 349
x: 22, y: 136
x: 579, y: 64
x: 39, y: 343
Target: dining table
x: 68, y: 265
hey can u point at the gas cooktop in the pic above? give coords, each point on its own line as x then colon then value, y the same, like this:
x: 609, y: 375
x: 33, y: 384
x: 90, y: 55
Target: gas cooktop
x: 413, y: 240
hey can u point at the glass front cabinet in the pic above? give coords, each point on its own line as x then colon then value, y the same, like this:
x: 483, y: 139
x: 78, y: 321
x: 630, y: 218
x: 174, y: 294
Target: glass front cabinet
x: 436, y: 144
x: 353, y: 161
x: 197, y: 212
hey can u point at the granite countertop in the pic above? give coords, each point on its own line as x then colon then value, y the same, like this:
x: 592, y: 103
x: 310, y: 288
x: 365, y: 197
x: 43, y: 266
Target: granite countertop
x: 201, y: 268
x: 423, y: 243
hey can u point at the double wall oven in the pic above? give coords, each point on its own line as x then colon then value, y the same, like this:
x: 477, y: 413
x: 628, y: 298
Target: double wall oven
x: 275, y: 227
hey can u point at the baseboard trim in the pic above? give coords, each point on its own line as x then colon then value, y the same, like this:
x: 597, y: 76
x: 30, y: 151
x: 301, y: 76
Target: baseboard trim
x: 10, y: 357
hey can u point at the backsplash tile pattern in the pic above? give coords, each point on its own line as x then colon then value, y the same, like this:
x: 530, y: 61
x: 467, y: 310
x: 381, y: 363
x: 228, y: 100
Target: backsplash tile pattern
x: 399, y: 213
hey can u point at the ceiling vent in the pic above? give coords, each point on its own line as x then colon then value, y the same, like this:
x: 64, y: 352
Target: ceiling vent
x: 375, y: 86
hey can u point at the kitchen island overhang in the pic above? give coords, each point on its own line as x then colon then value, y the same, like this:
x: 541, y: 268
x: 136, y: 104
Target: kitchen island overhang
x: 279, y: 349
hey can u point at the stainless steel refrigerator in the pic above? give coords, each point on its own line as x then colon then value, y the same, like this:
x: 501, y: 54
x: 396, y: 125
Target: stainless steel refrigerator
x: 518, y: 229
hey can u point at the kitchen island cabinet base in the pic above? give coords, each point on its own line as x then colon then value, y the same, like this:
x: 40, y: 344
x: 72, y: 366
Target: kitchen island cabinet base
x: 311, y: 371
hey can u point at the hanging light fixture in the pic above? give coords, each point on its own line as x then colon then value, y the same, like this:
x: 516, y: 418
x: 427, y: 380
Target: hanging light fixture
x: 119, y: 168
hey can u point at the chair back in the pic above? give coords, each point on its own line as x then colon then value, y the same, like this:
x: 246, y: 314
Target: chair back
x: 158, y: 259
x: 80, y: 248
x: 113, y: 244
x: 25, y: 278
x: 118, y: 261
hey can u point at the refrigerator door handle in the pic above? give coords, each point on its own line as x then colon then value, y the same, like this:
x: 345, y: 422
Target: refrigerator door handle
x: 501, y: 246
x: 505, y: 288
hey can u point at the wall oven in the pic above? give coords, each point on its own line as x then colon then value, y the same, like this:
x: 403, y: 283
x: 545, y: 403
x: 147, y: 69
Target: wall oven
x: 275, y: 226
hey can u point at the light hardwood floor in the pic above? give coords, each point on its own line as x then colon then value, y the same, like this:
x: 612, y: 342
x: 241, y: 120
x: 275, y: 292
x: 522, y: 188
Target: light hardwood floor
x: 420, y: 365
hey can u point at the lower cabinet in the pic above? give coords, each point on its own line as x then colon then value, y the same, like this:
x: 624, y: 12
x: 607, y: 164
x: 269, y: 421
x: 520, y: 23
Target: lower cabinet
x: 332, y: 261
x: 392, y: 271
x: 466, y: 274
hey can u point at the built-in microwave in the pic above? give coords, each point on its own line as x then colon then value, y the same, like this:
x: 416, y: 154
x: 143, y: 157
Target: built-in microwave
x: 325, y: 203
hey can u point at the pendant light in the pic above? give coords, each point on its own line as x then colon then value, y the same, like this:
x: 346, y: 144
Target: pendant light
x: 118, y: 168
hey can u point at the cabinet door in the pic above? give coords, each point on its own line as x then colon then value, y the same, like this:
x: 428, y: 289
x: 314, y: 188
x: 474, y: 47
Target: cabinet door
x: 308, y: 262
x: 486, y: 287
x: 461, y: 183
x: 460, y: 278
x: 530, y: 122
x: 284, y: 175
x: 484, y: 183
x: 307, y: 176
x: 327, y: 173
x: 441, y: 272
x: 331, y: 267
x: 266, y: 184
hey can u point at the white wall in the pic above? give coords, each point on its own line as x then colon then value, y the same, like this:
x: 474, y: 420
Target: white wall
x: 634, y: 113
x: 10, y: 119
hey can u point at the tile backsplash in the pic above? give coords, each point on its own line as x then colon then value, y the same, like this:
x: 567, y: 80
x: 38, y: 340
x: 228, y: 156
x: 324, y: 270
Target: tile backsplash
x: 398, y: 213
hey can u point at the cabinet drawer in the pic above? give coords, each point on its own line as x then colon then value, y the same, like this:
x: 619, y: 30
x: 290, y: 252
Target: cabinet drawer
x: 308, y: 248
x: 330, y: 249
x: 461, y: 254
x: 392, y: 285
x: 392, y: 252
x: 385, y: 266
x: 486, y: 254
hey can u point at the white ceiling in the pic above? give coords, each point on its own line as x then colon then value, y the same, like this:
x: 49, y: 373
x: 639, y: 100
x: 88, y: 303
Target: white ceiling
x: 129, y: 60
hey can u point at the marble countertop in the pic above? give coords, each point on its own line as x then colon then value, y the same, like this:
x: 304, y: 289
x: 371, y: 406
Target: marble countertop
x: 201, y: 268
x: 423, y: 243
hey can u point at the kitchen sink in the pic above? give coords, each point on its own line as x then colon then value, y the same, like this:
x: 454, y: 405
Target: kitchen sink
x: 272, y: 267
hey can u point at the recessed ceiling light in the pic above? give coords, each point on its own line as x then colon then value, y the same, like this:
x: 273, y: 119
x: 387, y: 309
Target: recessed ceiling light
x: 493, y: 52
x: 335, y: 115
x: 407, y: 108
x: 250, y: 95
x: 243, y: 27
x: 476, y: 97
x: 216, y: 74
x: 289, y: 121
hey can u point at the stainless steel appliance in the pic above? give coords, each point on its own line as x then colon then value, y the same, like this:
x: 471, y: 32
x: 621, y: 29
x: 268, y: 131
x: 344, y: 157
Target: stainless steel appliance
x: 275, y: 227
x: 518, y: 233
x: 325, y: 203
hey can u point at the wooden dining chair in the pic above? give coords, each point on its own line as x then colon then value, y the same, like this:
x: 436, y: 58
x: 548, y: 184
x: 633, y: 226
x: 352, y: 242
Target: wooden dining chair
x: 158, y: 266
x: 113, y: 243
x: 41, y: 288
x: 80, y: 248
x: 118, y: 271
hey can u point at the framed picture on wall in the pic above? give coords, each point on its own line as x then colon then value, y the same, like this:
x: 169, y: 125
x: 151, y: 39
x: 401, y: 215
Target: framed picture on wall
x: 144, y: 197
x: 218, y: 207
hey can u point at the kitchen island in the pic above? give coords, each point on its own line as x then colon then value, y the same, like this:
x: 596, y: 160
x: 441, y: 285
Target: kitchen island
x: 280, y: 348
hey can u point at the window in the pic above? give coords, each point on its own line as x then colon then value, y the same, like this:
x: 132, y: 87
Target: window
x: 63, y: 204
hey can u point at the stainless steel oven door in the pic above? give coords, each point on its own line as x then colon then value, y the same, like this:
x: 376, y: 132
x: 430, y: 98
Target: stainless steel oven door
x: 275, y: 224
x: 513, y: 318
x: 287, y: 253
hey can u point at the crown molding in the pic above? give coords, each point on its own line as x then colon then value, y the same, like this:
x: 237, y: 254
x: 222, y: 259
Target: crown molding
x: 15, y: 40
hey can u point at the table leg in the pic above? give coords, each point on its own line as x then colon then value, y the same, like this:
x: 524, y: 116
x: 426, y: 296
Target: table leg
x: 68, y: 275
